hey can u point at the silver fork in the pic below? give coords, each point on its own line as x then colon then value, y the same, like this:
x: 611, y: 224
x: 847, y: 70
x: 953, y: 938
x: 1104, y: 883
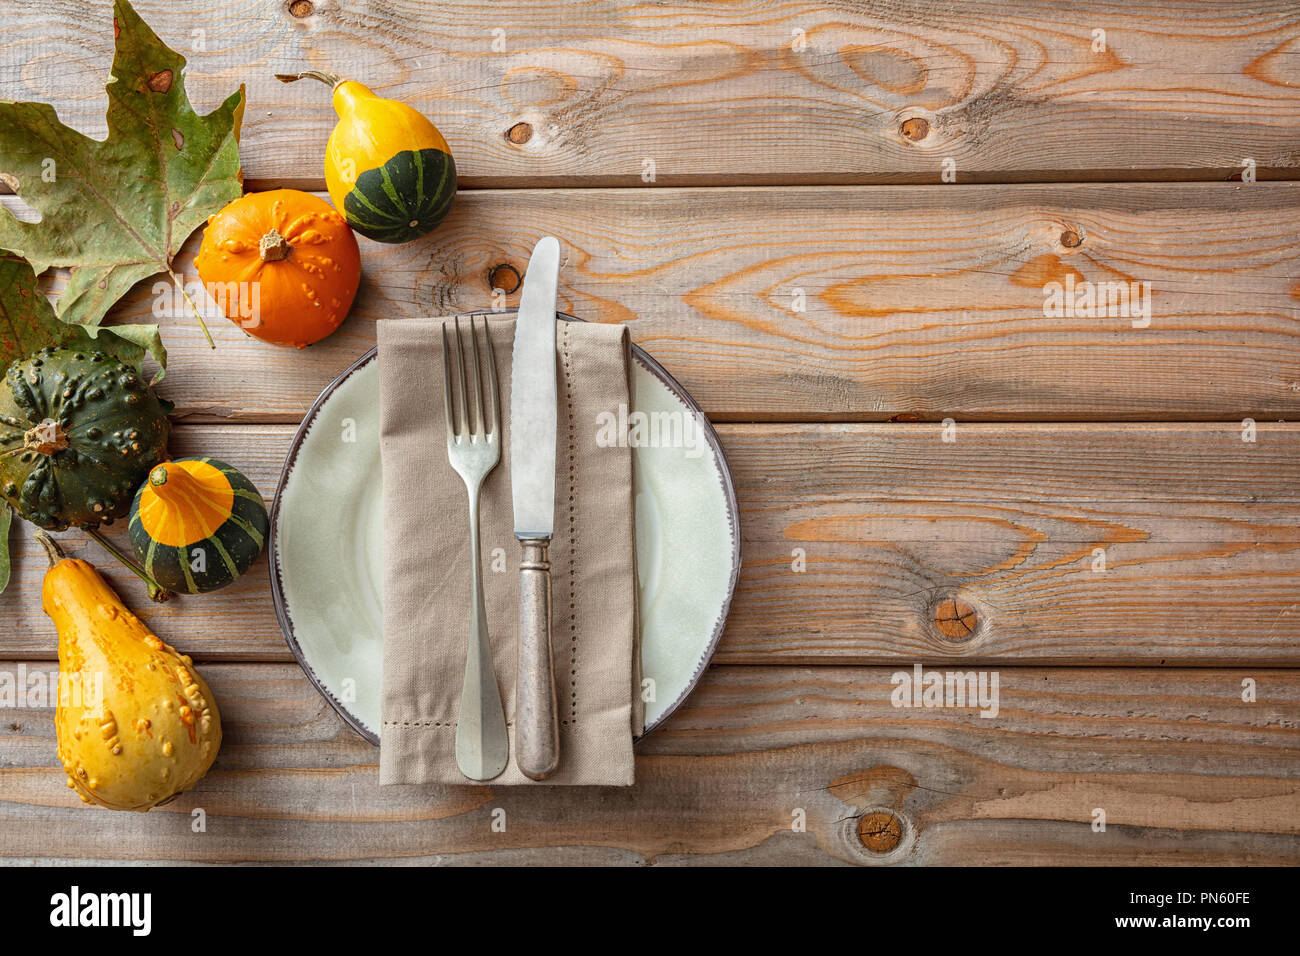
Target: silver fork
x: 474, y: 449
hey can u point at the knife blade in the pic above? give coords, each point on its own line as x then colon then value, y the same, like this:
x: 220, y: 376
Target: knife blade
x: 533, y: 435
x: 533, y: 412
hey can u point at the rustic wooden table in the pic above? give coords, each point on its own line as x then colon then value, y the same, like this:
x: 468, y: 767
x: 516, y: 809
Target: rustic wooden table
x: 761, y: 192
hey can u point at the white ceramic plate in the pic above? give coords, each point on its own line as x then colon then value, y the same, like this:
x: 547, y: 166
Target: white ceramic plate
x: 327, y: 527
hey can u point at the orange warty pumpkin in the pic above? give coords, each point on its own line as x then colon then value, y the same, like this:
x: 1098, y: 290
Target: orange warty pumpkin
x: 283, y: 265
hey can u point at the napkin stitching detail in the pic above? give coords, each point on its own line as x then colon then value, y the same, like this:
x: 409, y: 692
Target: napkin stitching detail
x: 573, y: 534
x: 428, y: 723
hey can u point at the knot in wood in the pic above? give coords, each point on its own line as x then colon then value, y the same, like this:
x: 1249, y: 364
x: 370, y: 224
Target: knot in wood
x: 505, y: 277
x: 917, y: 128
x: 955, y: 619
x: 520, y: 133
x: 879, y: 831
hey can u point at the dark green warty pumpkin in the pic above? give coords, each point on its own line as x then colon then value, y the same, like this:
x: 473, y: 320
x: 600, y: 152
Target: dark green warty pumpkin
x: 79, y: 431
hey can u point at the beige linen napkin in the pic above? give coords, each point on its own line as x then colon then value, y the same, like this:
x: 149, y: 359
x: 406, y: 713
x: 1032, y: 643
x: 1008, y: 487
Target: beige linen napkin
x: 426, y: 561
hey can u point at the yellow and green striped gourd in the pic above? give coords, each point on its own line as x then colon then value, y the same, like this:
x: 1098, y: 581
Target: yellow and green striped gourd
x: 388, y: 169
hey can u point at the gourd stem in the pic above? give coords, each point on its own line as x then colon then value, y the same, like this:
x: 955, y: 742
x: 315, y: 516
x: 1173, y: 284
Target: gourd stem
x: 47, y: 438
x: 157, y: 593
x: 52, y: 549
x: 172, y: 483
x: 274, y: 247
x: 331, y: 79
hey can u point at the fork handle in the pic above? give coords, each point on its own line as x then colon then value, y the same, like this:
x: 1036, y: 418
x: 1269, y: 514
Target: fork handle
x: 482, y: 743
x: 537, y: 737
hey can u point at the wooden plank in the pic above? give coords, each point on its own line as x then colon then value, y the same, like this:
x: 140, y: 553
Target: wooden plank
x: 546, y: 93
x: 1198, y: 532
x: 919, y: 303
x: 1067, y: 543
x: 1185, y: 771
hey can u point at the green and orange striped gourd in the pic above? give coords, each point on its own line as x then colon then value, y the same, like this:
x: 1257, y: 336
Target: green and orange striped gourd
x: 197, y: 524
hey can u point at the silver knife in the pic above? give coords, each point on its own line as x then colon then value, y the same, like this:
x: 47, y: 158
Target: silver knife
x: 533, y: 427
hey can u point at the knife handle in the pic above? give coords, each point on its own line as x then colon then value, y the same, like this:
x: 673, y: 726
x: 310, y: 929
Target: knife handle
x: 537, y: 731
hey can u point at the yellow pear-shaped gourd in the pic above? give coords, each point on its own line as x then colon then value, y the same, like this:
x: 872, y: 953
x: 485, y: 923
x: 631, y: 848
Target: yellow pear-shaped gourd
x: 136, y: 724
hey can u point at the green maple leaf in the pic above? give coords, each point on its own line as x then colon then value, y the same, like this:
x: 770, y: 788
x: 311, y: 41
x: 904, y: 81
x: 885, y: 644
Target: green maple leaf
x: 28, y: 323
x: 116, y: 211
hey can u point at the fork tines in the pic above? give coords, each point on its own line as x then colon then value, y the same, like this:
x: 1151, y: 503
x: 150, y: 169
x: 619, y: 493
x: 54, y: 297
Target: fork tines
x: 478, y: 418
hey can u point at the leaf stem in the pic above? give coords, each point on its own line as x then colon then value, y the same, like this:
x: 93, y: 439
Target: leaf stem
x: 180, y: 284
x: 157, y: 593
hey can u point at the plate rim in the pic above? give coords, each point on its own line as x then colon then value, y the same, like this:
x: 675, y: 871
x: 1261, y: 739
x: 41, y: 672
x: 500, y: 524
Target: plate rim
x: 652, y: 366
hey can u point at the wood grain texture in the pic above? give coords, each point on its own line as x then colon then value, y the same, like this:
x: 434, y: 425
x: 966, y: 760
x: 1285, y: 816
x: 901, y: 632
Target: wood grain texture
x: 917, y: 303
x: 823, y: 310
x: 1185, y: 771
x: 758, y: 91
x: 1068, y: 543
x: 1198, y: 531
